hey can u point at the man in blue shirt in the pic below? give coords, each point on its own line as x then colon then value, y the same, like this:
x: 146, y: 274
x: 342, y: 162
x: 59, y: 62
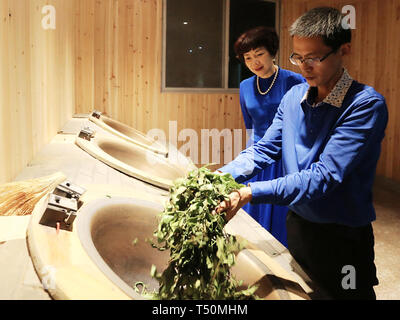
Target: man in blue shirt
x: 328, y: 133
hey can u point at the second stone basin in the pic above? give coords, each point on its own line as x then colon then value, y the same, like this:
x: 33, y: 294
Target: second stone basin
x: 128, y: 133
x: 132, y: 160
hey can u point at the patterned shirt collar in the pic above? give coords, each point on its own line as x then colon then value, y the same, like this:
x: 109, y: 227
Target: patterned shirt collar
x: 336, y: 96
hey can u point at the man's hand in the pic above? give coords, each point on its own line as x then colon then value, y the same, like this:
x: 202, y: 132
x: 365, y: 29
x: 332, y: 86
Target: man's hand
x: 237, y: 199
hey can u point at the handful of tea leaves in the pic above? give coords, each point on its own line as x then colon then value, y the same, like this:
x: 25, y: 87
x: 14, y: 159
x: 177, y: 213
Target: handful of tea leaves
x: 201, y: 253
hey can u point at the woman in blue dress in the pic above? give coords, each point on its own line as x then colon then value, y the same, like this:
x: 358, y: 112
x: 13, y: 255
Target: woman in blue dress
x: 260, y: 96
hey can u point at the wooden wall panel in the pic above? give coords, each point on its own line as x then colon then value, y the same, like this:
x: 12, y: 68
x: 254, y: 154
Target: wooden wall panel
x: 375, y: 59
x: 123, y: 77
x: 126, y: 78
x: 36, y: 79
x: 84, y: 53
x: 4, y: 92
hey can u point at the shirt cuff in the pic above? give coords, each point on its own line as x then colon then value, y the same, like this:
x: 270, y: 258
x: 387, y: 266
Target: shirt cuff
x: 261, y: 192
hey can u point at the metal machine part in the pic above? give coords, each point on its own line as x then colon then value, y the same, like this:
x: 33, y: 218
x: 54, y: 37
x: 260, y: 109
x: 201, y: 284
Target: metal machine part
x: 70, y: 190
x: 62, y: 206
x: 86, y: 133
x: 96, y: 114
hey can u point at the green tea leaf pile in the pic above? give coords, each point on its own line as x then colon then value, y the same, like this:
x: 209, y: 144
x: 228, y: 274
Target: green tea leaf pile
x: 201, y: 253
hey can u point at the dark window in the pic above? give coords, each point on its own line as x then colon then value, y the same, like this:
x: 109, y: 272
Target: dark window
x: 199, y: 37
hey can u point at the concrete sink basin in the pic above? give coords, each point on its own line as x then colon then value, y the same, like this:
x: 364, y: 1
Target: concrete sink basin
x: 132, y: 160
x: 114, y: 232
x: 128, y: 133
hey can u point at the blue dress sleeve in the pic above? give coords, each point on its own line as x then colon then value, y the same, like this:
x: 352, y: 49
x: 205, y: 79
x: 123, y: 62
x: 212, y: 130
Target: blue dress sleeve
x: 248, y: 122
x: 246, y: 116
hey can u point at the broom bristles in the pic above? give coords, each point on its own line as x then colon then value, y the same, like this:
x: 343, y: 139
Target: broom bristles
x: 19, y: 198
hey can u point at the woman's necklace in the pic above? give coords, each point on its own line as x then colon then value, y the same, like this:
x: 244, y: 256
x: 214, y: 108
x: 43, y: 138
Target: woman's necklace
x: 272, y: 84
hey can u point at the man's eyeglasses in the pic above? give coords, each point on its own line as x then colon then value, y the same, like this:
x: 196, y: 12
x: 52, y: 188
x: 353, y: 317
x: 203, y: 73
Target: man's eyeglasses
x: 296, y: 60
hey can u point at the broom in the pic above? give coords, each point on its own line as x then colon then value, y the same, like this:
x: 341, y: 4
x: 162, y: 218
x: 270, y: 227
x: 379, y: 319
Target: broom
x: 19, y: 198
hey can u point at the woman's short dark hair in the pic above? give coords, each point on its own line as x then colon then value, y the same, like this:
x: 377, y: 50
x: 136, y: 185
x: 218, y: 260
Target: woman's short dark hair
x: 255, y: 38
x: 325, y: 22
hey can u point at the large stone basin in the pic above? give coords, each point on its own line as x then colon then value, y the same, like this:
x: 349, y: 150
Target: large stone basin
x: 114, y: 232
x: 129, y: 134
x: 132, y: 160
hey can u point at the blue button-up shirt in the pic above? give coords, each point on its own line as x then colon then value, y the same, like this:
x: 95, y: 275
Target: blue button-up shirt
x: 329, y: 152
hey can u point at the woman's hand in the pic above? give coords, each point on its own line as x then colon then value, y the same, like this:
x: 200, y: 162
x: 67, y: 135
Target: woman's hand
x: 237, y: 199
